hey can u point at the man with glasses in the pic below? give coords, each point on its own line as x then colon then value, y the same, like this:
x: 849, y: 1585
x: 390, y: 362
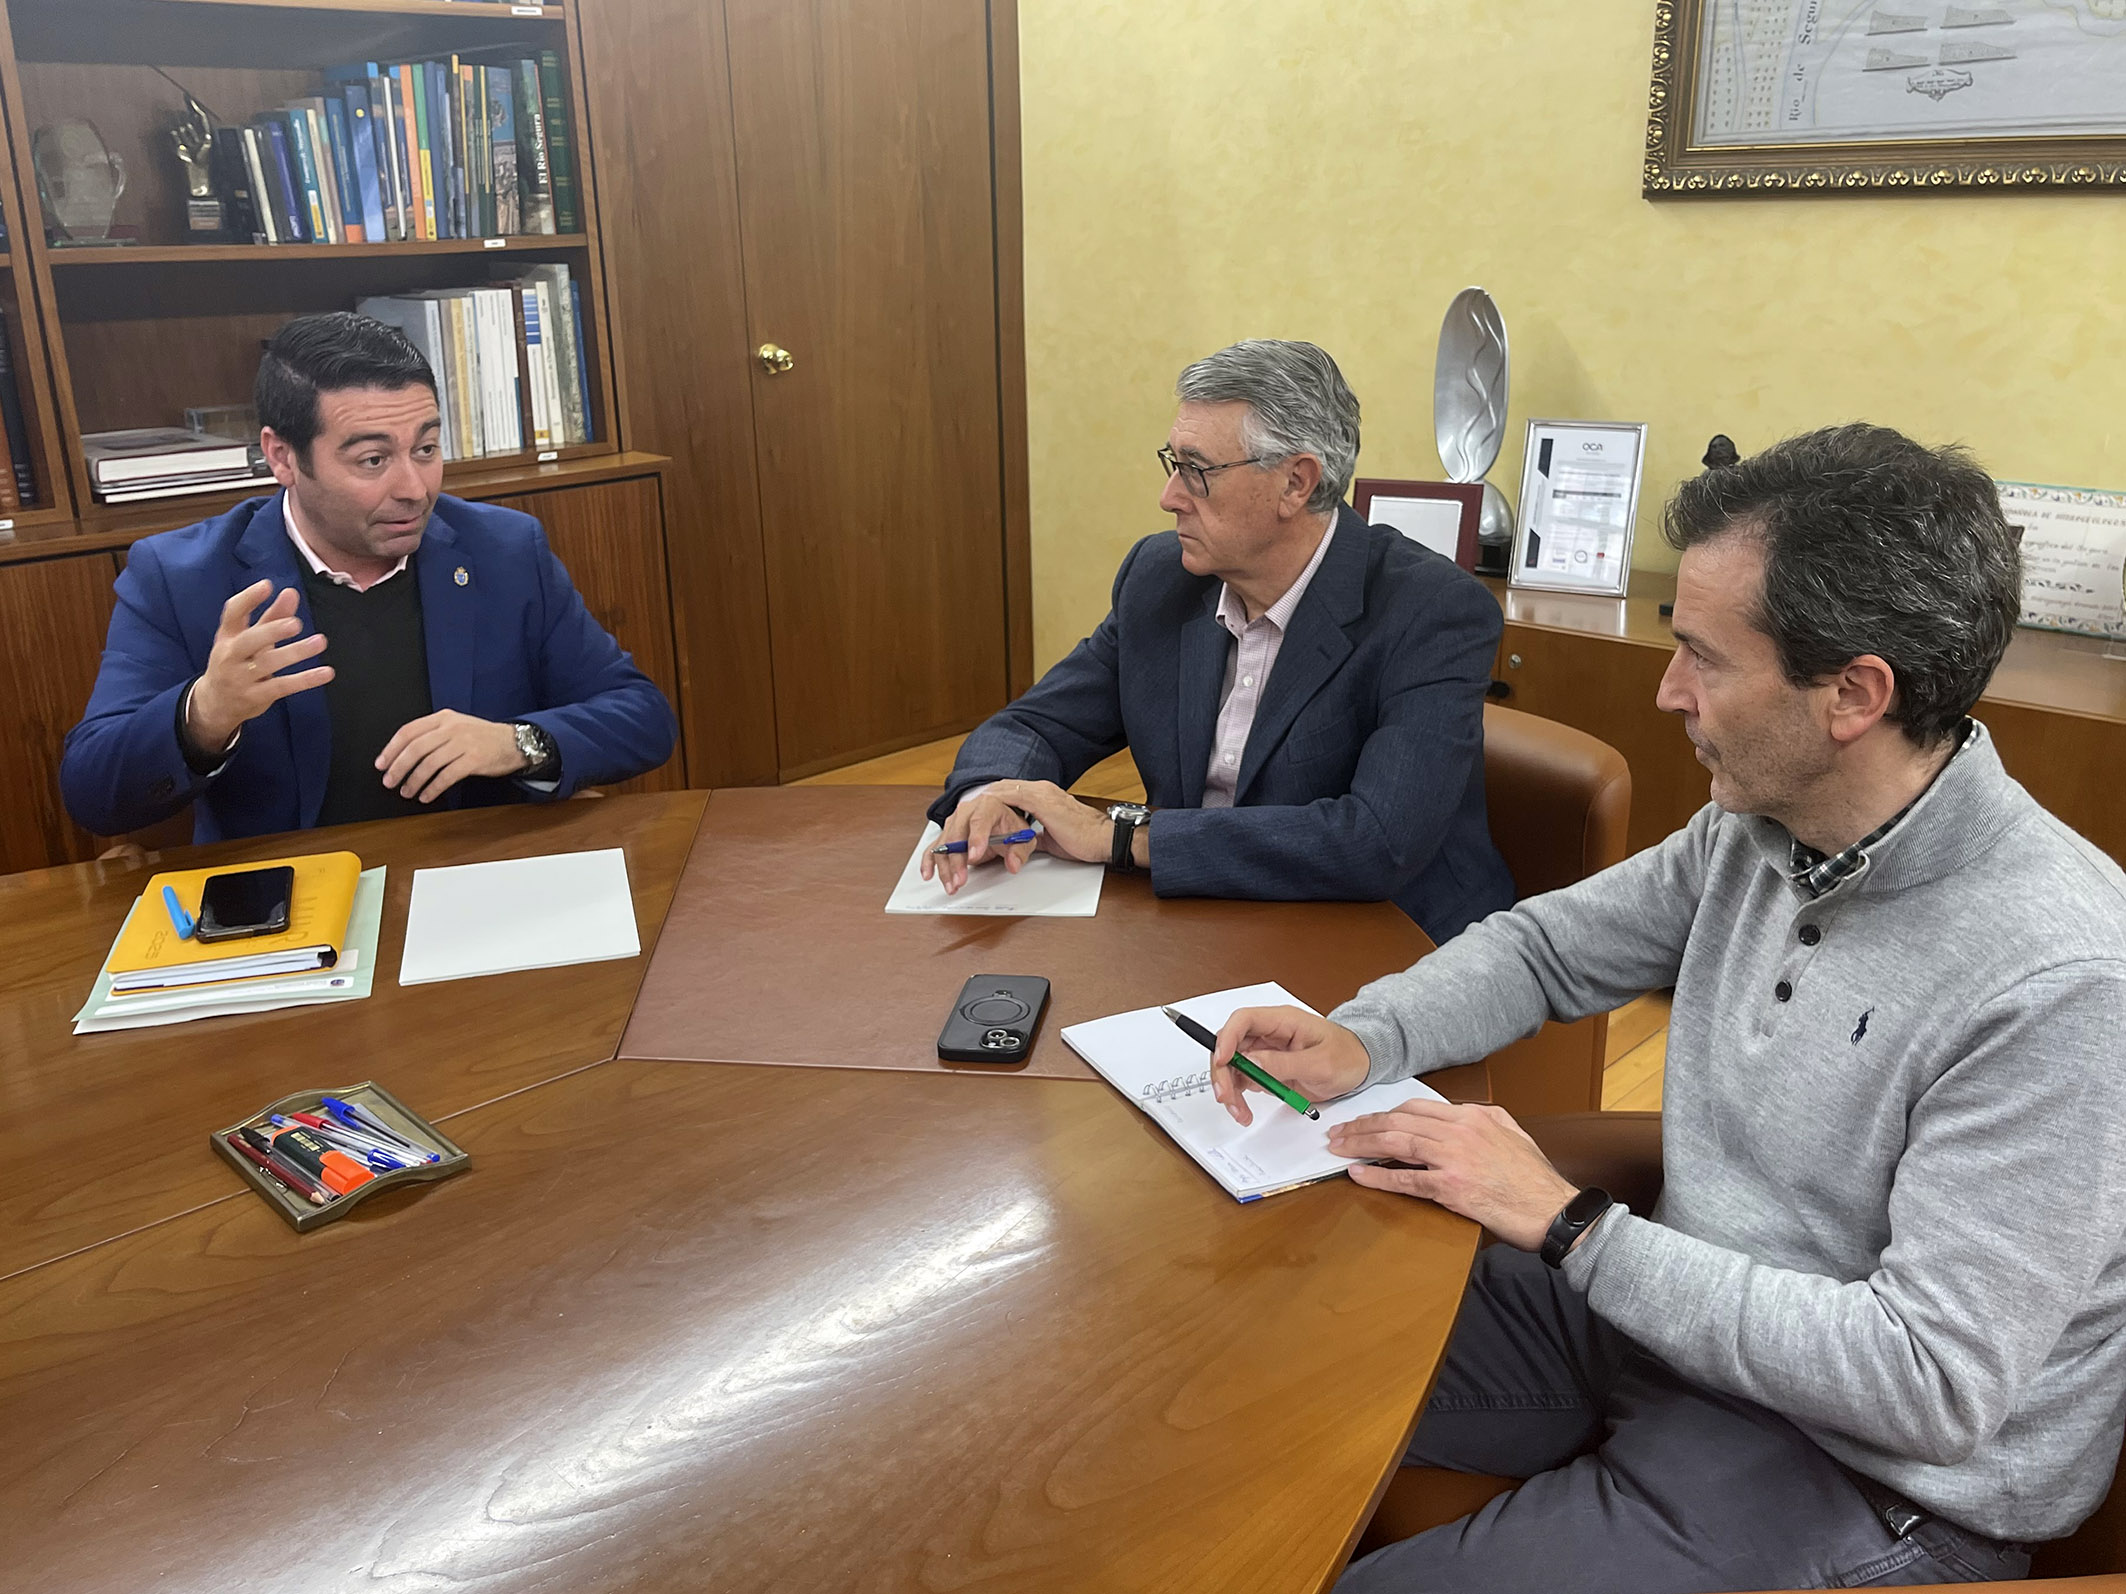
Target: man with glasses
x: 1302, y: 692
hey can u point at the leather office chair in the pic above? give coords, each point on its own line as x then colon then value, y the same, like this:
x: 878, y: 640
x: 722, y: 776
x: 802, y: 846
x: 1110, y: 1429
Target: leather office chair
x: 1621, y: 1152
x: 1558, y: 801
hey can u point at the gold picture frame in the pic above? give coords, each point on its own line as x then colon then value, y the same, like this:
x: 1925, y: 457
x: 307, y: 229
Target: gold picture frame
x: 1682, y: 165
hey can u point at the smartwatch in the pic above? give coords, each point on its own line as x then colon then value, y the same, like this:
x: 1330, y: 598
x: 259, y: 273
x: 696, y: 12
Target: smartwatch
x: 1128, y: 819
x: 1576, y: 1219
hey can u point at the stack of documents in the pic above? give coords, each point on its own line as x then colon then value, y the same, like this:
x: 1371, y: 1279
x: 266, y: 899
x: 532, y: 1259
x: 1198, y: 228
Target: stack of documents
x: 1047, y: 887
x: 327, y: 953
x: 1168, y: 1075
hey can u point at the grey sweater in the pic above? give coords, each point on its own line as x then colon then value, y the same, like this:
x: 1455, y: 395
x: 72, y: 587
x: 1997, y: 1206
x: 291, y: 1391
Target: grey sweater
x: 1895, y: 1202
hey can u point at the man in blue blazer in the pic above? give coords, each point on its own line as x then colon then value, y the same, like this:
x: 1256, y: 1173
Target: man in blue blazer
x: 463, y: 667
x: 1302, y: 692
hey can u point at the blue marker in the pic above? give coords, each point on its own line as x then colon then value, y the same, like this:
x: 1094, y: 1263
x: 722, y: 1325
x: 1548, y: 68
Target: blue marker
x: 178, y: 917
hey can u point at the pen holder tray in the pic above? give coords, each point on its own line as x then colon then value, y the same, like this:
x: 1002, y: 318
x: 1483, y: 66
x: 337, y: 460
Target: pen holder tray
x: 371, y: 1097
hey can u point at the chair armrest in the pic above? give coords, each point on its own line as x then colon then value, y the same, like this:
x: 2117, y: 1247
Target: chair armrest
x: 1619, y: 1151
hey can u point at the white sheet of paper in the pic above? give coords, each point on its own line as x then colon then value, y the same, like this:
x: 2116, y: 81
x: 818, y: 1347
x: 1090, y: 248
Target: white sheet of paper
x: 522, y: 913
x: 1143, y: 1055
x: 1434, y: 523
x: 1047, y: 888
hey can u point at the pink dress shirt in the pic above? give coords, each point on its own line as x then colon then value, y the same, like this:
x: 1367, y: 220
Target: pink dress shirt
x: 1247, y: 673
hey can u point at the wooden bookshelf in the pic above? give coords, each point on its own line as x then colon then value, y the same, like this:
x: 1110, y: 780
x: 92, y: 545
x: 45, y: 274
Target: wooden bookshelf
x: 277, y: 254
x: 133, y: 334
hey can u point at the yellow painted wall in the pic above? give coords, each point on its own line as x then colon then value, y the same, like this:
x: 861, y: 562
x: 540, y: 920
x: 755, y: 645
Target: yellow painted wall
x: 1198, y: 171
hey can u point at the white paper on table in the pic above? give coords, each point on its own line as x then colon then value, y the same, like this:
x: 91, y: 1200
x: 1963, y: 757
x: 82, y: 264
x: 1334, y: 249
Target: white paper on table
x: 1146, y: 1057
x: 522, y: 913
x: 1047, y: 888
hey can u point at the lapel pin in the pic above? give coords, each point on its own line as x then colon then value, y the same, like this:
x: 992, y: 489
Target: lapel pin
x: 461, y: 576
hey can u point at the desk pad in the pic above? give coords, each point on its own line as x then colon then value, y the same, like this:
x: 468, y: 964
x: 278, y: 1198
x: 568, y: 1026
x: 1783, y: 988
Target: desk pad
x: 778, y: 947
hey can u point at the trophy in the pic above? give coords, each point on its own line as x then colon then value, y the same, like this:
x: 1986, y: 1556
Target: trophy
x: 79, y: 181
x: 193, y: 138
x: 1469, y: 412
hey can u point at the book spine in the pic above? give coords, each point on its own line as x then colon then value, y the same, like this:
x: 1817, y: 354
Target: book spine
x: 339, y: 133
x: 16, y: 430
x: 439, y: 159
x: 381, y: 135
x: 535, y: 358
x: 501, y: 97
x: 481, y: 116
x: 535, y: 178
x: 560, y: 150
x: 232, y: 183
x: 561, y: 336
x: 369, y: 182
x: 469, y: 374
x: 502, y: 350
x: 306, y: 168
x: 328, y: 189
x: 446, y: 394
x: 423, y: 215
x: 583, y: 372
x: 287, y: 178
x: 268, y: 211
x: 434, y: 209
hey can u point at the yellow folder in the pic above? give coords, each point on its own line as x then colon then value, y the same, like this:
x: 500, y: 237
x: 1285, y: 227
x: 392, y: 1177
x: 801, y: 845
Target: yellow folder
x: 318, y: 909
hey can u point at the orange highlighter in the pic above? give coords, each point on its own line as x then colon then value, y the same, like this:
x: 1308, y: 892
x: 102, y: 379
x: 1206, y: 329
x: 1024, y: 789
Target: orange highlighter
x: 331, y: 1167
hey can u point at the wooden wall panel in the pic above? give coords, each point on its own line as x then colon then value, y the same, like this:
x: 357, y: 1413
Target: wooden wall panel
x: 53, y: 616
x: 1606, y: 688
x: 2075, y: 765
x: 657, y: 84
x: 609, y: 537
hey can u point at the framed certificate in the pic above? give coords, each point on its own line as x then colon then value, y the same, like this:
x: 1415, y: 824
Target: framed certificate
x: 2074, y: 557
x: 1579, y: 498
x: 1774, y: 97
x: 1442, y: 516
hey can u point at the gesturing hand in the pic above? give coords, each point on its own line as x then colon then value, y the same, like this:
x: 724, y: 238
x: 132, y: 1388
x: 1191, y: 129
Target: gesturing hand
x: 1315, y: 1057
x: 1472, y: 1160
x: 428, y: 756
x: 242, y: 678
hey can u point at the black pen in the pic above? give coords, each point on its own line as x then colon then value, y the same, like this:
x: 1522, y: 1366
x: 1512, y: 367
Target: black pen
x: 1276, y: 1087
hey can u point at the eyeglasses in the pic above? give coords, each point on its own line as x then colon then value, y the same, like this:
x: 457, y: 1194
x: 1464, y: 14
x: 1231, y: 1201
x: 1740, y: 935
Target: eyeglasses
x: 1197, y: 478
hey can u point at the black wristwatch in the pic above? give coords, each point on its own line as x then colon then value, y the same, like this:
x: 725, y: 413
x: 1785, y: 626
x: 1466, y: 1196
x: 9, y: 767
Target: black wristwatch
x: 1128, y: 819
x: 1575, y: 1220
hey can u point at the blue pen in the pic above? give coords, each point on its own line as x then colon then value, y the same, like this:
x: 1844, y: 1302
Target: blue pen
x: 367, y: 1122
x: 1029, y: 834
x: 179, y: 919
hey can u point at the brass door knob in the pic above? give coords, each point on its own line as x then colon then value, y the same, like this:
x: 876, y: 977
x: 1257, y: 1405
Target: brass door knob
x: 774, y: 358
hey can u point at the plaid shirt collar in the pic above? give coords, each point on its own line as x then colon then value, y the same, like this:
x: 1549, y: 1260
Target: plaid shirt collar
x: 1816, y: 875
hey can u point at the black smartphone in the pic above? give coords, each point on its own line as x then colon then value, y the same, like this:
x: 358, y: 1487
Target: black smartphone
x: 245, y: 902
x: 993, y: 1019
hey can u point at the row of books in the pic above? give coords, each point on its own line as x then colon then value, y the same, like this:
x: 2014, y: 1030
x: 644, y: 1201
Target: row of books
x: 508, y: 359
x: 424, y: 150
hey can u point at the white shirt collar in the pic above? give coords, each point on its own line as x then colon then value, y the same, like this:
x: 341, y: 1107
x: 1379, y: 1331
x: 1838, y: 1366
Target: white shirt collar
x: 318, y: 566
x: 1233, y: 610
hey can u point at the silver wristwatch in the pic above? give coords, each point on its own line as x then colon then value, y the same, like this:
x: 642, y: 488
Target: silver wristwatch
x: 542, y: 761
x: 1128, y: 819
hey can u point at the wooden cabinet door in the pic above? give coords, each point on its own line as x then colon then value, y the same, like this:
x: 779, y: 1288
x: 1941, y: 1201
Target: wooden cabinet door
x: 1606, y: 688
x: 53, y: 617
x: 611, y: 538
x: 868, y: 233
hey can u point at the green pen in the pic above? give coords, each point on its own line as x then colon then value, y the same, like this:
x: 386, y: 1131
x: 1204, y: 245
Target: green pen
x: 1276, y: 1087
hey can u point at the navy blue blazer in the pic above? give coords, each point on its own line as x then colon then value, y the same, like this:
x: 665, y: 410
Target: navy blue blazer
x: 507, y: 634
x: 1363, y: 776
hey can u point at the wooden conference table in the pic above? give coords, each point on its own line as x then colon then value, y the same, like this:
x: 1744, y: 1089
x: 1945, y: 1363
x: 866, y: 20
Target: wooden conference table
x: 708, y: 1323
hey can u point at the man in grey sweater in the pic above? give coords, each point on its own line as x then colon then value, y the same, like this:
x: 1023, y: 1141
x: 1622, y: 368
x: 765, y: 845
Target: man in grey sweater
x: 1875, y: 1329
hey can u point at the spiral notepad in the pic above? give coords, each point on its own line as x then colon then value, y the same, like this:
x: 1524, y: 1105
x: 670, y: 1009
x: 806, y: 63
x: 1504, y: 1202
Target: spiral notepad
x: 1167, y: 1075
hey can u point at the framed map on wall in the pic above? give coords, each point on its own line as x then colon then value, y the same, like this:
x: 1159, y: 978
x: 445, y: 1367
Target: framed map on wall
x: 1876, y: 96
